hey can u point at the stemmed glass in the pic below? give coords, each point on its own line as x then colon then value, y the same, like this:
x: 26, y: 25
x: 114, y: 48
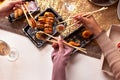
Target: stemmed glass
x: 70, y: 5
x: 70, y: 8
x: 5, y: 50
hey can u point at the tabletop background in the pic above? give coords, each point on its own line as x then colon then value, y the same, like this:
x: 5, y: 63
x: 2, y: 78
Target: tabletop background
x: 105, y: 19
x: 36, y: 64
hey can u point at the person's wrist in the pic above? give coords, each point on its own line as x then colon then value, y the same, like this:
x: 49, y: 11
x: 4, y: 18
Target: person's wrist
x: 97, y: 32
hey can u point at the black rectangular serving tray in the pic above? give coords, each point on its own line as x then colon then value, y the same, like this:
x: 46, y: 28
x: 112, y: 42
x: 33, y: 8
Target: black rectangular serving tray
x: 30, y: 32
x: 77, y: 35
x: 12, y: 19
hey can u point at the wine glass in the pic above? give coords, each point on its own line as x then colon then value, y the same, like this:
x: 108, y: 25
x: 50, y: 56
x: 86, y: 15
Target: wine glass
x: 5, y: 50
x: 70, y: 5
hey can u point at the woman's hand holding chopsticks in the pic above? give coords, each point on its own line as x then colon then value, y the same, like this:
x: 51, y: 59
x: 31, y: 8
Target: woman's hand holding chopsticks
x: 90, y: 23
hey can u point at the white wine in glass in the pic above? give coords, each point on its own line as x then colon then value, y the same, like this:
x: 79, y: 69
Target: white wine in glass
x: 5, y: 50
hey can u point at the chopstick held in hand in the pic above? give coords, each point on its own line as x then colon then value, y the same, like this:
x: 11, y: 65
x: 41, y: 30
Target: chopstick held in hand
x: 32, y: 22
x: 78, y: 48
x: 88, y: 14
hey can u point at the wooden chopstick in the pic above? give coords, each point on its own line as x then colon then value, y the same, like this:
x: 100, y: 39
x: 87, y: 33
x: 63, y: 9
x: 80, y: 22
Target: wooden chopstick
x: 73, y: 24
x: 80, y: 49
x: 29, y: 13
x: 93, y: 12
x: 85, y: 15
x: 51, y: 41
x: 88, y: 14
x: 69, y: 19
x: 25, y: 15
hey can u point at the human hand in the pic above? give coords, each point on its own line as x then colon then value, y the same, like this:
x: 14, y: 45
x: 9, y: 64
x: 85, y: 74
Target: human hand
x: 61, y: 52
x: 90, y: 23
x: 60, y: 56
x: 9, y: 6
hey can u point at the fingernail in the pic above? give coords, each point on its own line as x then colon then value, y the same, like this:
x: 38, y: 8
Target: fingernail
x: 14, y: 8
x: 60, y: 37
x: 79, y: 17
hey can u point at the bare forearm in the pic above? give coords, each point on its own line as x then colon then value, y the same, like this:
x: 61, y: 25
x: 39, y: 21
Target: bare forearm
x: 59, y: 64
x: 111, y: 53
x: 60, y: 59
x: 58, y: 72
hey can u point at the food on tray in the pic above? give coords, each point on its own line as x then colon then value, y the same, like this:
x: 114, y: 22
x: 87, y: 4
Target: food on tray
x: 15, y: 14
x: 40, y: 26
x: 48, y: 30
x: 40, y: 36
x: 46, y: 22
x: 33, y: 33
x: 18, y: 12
x: 79, y: 37
x: 32, y: 23
x: 49, y: 14
x: 118, y: 45
x: 74, y: 43
x: 86, y: 34
x: 60, y: 28
x: 41, y: 19
x: 49, y: 20
x: 47, y: 26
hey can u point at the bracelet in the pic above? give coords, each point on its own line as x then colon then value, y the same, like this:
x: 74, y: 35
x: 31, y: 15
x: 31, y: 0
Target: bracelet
x: 103, y: 31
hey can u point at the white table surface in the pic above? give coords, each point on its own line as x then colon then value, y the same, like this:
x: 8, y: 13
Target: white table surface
x: 35, y: 64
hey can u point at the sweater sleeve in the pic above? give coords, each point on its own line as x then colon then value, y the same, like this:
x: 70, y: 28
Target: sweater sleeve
x: 111, y: 54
